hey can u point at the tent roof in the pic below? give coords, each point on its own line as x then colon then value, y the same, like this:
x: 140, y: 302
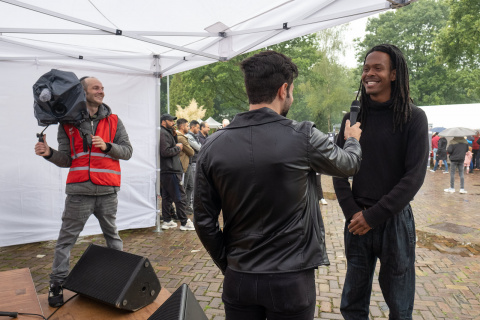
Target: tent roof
x: 214, y: 124
x: 162, y: 37
x: 454, y: 115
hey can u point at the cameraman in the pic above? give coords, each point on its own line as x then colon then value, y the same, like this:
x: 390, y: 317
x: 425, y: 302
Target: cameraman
x: 93, y: 180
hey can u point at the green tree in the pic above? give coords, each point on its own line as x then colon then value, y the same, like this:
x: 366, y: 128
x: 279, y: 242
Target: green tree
x: 458, y: 42
x: 330, y: 87
x: 220, y: 87
x: 413, y: 29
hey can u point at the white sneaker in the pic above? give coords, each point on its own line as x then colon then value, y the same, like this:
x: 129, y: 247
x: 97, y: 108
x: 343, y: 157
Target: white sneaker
x: 431, y: 170
x: 188, y: 226
x: 451, y: 190
x: 463, y: 191
x: 445, y: 171
x: 323, y: 201
x: 168, y: 225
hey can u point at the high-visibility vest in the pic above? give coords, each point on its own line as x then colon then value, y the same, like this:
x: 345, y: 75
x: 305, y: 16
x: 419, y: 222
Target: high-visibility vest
x: 94, y: 165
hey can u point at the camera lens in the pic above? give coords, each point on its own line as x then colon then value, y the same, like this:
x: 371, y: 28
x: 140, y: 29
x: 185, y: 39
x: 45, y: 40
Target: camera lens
x: 59, y: 110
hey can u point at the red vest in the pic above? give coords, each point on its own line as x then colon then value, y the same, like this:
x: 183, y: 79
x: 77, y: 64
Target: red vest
x: 94, y: 165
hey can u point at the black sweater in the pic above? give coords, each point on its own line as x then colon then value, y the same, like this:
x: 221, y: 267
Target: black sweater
x: 393, y: 165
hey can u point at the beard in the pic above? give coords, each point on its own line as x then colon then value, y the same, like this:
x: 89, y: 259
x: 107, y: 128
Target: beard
x: 286, y: 106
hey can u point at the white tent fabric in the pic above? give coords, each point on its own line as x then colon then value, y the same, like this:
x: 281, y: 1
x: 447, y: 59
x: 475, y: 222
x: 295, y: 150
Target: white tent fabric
x: 165, y: 37
x: 214, y: 124
x: 127, y: 45
x: 454, y: 115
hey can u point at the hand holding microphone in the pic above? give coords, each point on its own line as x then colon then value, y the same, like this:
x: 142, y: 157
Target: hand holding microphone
x: 352, y: 127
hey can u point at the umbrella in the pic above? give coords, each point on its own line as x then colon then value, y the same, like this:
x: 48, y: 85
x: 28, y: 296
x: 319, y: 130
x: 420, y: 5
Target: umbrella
x: 457, y: 132
x: 437, y: 129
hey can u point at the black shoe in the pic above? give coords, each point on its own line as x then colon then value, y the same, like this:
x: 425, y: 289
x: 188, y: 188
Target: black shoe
x: 55, y: 295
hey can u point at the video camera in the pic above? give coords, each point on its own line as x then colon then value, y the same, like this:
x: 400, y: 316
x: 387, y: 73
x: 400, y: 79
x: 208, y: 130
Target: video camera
x: 59, y: 97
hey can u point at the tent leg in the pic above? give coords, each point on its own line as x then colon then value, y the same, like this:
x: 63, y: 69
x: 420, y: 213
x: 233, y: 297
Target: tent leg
x: 158, y: 228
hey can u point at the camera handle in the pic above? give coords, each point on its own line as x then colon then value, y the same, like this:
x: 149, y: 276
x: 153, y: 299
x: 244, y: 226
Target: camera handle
x: 40, y: 135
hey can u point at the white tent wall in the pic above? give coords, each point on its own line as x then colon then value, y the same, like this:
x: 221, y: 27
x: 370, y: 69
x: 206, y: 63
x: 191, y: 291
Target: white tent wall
x: 32, y: 190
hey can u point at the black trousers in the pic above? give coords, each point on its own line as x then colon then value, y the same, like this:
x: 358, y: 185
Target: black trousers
x: 172, y: 191
x: 278, y: 296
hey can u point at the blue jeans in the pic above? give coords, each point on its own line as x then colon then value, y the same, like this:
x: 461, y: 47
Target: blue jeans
x: 393, y: 243
x: 436, y: 165
x: 459, y: 165
x: 277, y: 296
x: 78, y: 208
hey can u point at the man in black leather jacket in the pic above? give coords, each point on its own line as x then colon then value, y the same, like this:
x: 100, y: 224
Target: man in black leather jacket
x: 260, y: 171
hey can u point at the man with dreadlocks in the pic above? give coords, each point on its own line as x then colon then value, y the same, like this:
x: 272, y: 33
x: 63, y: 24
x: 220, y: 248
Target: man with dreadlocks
x: 379, y: 221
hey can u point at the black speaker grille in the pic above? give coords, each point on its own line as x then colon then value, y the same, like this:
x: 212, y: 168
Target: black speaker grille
x: 95, y: 275
x: 181, y: 305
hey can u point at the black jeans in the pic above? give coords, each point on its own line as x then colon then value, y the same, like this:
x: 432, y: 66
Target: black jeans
x: 393, y: 243
x: 279, y: 296
x: 172, y: 191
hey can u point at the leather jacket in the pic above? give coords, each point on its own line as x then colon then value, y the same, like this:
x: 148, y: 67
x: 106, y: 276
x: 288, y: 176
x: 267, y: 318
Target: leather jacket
x: 260, y: 171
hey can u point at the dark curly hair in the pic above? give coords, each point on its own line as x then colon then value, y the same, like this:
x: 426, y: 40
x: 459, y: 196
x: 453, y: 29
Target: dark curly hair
x: 265, y: 73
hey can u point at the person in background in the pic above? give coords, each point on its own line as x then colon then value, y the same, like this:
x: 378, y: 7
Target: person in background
x: 320, y: 190
x: 203, y: 134
x: 195, y: 144
x: 435, y: 138
x: 225, y: 123
x: 468, y: 160
x: 476, y: 151
x: 457, y: 149
x: 171, y: 172
x: 441, y: 154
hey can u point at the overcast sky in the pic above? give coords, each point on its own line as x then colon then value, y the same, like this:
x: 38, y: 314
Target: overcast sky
x: 356, y: 29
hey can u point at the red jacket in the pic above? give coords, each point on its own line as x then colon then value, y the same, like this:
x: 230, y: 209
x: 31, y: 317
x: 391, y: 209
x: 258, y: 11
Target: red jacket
x: 94, y: 165
x: 435, y: 142
x: 475, y: 145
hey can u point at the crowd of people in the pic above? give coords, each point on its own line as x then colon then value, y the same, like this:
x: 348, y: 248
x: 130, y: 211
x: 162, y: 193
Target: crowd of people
x: 180, y: 143
x: 463, y: 153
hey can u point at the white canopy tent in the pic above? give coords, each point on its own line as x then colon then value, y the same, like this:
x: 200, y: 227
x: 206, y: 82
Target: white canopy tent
x: 214, y: 124
x: 454, y: 115
x: 127, y: 45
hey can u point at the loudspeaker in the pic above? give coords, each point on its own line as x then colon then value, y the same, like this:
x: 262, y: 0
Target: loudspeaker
x: 181, y: 305
x: 120, y: 279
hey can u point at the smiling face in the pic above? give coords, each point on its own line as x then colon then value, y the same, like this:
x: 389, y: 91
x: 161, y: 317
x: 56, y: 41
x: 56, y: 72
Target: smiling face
x: 94, y: 92
x: 377, y: 76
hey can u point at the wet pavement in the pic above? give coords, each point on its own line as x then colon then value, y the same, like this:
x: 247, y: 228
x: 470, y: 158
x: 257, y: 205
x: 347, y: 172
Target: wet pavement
x: 447, y: 260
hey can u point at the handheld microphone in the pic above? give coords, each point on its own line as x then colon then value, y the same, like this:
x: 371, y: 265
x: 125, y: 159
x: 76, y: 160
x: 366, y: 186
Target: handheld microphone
x: 354, y: 110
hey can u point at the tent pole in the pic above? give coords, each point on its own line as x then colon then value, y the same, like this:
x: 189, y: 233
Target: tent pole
x: 168, y: 94
x: 158, y: 111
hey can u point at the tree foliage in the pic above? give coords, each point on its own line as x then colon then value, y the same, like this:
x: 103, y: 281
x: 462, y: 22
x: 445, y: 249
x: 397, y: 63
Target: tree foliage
x: 458, y: 42
x: 191, y: 112
x: 414, y: 29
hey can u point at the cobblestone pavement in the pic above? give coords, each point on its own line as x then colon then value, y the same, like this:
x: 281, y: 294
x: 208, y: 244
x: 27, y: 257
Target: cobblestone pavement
x: 447, y: 266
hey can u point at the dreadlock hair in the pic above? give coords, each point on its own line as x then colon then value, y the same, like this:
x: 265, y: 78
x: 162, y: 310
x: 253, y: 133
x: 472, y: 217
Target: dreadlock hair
x: 401, y: 100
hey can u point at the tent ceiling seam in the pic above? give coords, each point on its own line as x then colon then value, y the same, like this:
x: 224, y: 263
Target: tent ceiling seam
x: 107, y: 29
x: 78, y: 57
